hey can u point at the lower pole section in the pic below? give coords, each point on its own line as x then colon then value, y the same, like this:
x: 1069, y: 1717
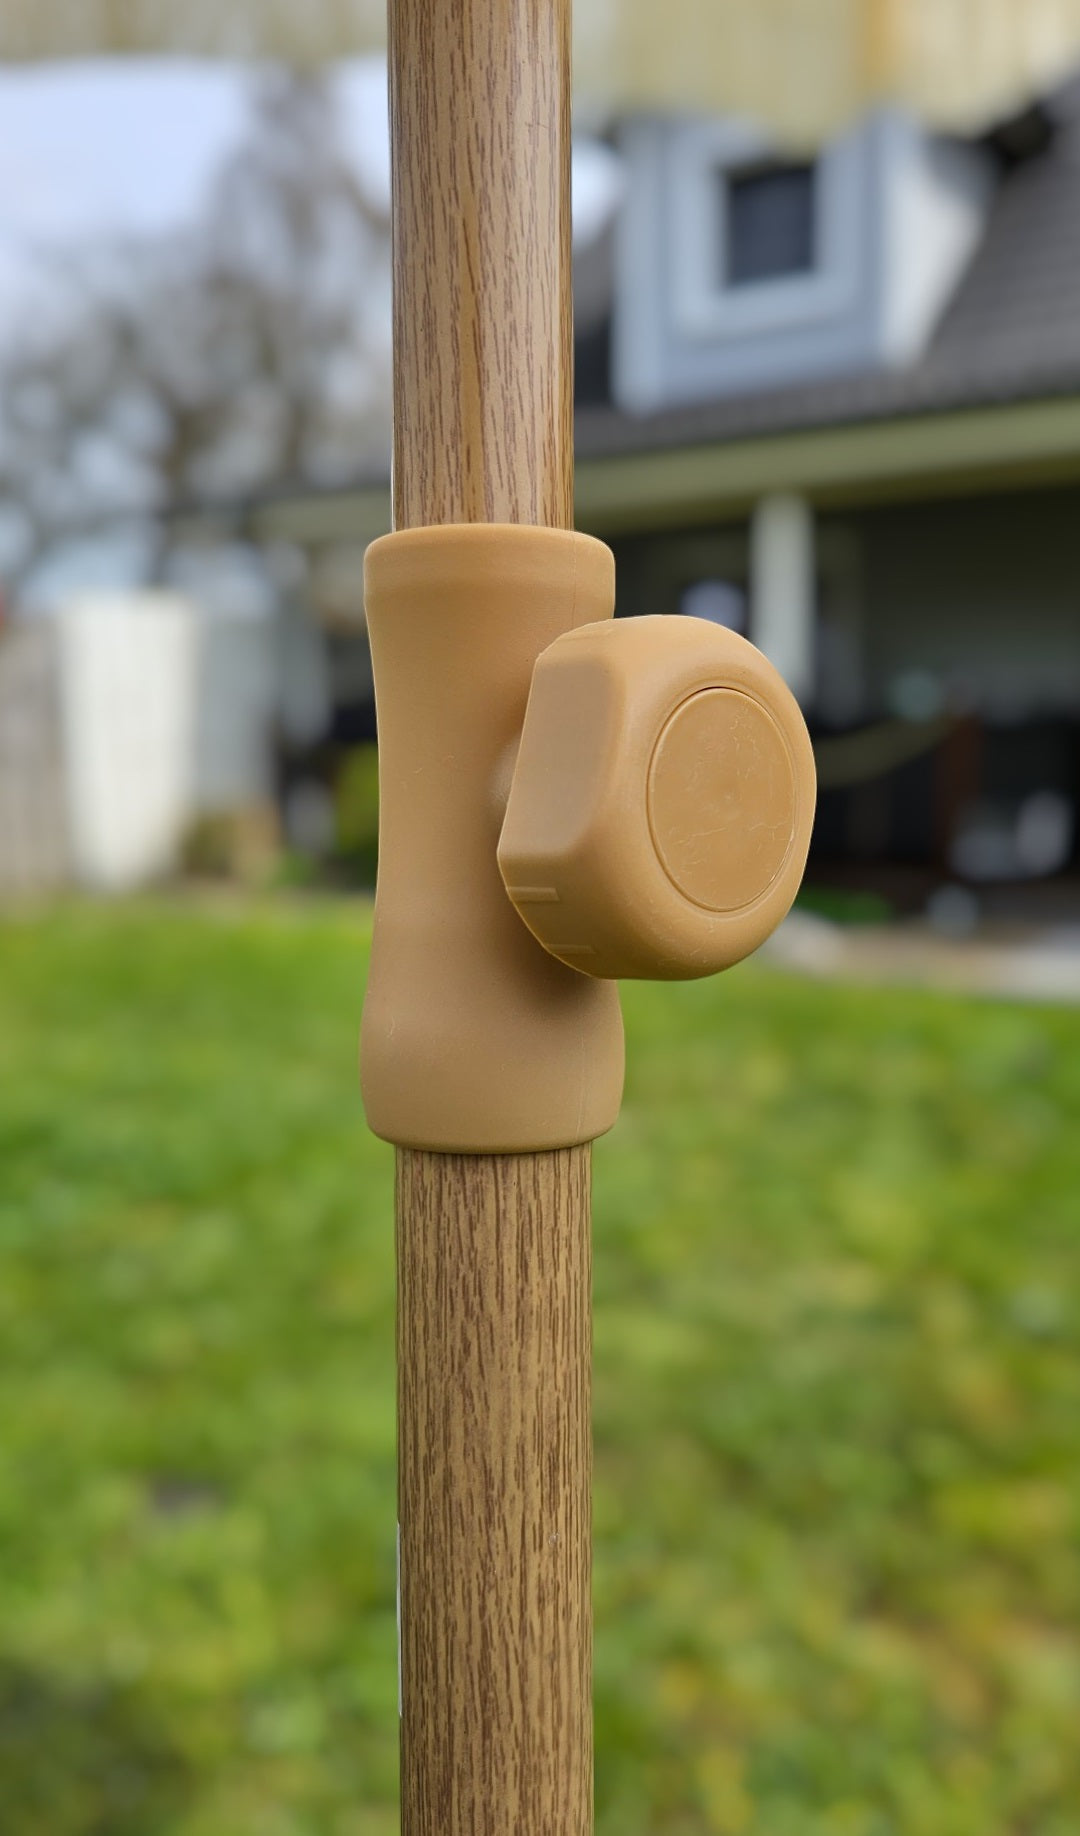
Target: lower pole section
x: 494, y: 1362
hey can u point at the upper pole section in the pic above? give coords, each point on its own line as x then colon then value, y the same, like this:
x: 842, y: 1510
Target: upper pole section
x: 483, y: 341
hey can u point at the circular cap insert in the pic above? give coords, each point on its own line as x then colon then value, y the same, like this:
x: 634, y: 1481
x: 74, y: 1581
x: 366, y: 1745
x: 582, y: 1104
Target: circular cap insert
x: 721, y: 799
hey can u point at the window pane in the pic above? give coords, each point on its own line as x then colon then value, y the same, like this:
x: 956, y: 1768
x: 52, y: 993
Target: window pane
x: 770, y: 223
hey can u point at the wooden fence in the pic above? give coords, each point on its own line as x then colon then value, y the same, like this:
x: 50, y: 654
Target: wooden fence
x: 34, y: 848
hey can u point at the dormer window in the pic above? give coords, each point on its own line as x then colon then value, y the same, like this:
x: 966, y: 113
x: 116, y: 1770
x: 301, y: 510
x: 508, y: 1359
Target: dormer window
x: 768, y: 222
x: 745, y: 265
x: 760, y: 241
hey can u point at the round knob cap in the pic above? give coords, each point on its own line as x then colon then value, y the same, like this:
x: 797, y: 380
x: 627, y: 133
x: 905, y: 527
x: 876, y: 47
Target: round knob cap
x: 662, y: 799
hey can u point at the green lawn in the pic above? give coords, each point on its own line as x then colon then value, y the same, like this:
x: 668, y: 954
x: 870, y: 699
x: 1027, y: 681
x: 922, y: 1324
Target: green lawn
x: 837, y: 1400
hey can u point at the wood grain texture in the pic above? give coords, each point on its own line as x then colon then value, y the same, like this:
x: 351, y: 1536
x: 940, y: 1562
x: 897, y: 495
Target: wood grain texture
x: 483, y: 345
x: 494, y: 1494
x: 494, y: 1302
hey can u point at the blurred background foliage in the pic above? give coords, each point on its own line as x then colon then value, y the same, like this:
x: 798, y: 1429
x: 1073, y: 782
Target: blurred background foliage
x: 837, y: 1387
x: 356, y: 811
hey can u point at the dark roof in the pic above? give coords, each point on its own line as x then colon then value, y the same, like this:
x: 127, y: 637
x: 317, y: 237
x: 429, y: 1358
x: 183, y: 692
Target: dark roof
x: 1010, y: 333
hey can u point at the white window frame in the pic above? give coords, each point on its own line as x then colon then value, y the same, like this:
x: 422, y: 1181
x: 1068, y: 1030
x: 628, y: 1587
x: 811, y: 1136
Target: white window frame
x: 703, y: 156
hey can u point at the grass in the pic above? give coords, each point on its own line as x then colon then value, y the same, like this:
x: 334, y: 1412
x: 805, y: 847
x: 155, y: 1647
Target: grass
x: 837, y: 1400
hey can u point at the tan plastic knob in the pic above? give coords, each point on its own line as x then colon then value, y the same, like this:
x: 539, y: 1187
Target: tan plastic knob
x: 662, y: 799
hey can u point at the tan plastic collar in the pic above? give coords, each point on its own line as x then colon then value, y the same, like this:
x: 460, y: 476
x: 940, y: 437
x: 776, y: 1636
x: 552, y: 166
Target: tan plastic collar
x: 474, y: 1038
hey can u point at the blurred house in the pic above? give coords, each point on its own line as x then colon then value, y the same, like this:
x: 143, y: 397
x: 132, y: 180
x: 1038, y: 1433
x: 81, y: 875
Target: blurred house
x: 831, y: 399
x: 843, y: 412
x: 834, y: 400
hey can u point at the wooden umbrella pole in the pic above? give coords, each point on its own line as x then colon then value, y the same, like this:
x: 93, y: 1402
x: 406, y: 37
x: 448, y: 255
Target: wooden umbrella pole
x: 493, y: 1251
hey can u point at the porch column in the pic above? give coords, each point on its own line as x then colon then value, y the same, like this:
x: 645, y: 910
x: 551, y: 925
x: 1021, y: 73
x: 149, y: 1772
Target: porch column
x: 782, y: 588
